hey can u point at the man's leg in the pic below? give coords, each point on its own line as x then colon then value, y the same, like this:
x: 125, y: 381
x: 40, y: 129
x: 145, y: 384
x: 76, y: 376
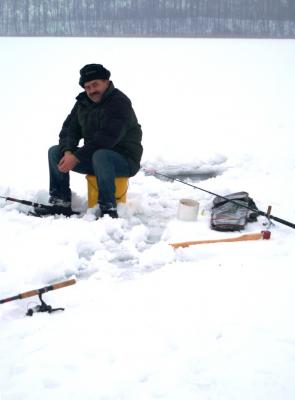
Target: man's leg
x: 59, y: 187
x: 59, y: 182
x: 107, y: 165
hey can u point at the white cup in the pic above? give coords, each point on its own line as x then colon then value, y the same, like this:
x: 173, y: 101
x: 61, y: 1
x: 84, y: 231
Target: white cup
x: 188, y: 210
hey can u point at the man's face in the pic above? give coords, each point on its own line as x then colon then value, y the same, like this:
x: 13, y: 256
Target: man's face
x: 95, y: 89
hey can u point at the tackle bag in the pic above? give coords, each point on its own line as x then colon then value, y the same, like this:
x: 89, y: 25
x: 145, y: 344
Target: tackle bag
x: 228, y: 216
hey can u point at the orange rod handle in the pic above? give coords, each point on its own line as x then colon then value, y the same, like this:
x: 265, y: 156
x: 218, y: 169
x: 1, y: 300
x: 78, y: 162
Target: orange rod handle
x: 250, y: 236
x: 48, y: 288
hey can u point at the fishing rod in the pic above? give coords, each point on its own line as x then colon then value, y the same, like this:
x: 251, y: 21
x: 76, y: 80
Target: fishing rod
x: 258, y: 212
x: 54, y: 209
x: 43, y: 307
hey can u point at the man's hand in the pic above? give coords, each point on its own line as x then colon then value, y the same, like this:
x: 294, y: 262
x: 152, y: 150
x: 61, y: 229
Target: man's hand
x: 68, y: 162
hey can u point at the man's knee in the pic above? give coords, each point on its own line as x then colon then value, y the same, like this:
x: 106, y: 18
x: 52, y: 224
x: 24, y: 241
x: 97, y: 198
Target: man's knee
x: 101, y: 157
x: 54, y: 154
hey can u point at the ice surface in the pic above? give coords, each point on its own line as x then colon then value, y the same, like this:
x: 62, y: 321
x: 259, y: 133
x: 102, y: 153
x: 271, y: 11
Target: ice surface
x: 144, y: 321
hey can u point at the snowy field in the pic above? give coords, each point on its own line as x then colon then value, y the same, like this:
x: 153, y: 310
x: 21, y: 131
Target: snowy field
x: 144, y: 321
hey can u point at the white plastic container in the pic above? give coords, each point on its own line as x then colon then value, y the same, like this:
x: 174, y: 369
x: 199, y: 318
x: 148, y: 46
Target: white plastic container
x: 188, y: 210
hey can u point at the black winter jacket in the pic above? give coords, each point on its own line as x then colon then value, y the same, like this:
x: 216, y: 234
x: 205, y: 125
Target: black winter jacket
x: 109, y: 124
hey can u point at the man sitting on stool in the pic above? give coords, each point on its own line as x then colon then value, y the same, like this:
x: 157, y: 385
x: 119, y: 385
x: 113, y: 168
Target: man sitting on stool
x: 103, y: 116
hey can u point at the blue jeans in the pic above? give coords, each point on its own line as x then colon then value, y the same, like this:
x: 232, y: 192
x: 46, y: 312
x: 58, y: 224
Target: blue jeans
x: 105, y: 164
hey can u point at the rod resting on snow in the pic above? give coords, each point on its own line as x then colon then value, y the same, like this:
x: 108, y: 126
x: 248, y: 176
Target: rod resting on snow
x: 262, y: 213
x: 251, y: 236
x: 50, y: 207
x: 25, y: 202
x: 38, y: 292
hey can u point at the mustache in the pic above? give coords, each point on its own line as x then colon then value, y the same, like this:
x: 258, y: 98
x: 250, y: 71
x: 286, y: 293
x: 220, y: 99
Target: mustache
x: 95, y: 94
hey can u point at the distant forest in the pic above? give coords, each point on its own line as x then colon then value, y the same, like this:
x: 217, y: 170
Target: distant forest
x: 148, y: 18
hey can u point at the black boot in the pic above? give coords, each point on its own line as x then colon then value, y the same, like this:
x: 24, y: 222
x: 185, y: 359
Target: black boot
x: 102, y: 211
x: 57, y: 206
x: 112, y: 212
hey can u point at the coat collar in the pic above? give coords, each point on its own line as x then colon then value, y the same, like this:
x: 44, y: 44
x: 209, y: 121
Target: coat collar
x: 82, y: 97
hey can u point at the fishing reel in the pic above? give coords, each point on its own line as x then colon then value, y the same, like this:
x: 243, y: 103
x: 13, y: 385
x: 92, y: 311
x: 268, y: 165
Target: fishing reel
x: 43, y: 307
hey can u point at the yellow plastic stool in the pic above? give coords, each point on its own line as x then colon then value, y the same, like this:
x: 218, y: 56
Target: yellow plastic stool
x: 93, y: 191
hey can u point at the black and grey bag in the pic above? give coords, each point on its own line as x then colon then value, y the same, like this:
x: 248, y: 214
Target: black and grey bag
x: 229, y: 216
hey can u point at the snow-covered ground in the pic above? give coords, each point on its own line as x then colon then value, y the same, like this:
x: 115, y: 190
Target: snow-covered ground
x: 144, y: 321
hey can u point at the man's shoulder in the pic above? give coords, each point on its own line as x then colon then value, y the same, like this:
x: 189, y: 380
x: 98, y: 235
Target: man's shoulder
x: 82, y: 96
x: 120, y: 98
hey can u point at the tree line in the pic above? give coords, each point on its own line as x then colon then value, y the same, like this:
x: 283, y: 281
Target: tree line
x: 164, y: 18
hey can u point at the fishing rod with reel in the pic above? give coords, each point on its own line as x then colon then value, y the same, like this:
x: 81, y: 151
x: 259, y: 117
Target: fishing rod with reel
x: 236, y: 202
x: 43, y: 307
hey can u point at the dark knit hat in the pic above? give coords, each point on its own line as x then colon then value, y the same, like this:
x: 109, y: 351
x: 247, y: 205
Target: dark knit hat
x: 90, y: 72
